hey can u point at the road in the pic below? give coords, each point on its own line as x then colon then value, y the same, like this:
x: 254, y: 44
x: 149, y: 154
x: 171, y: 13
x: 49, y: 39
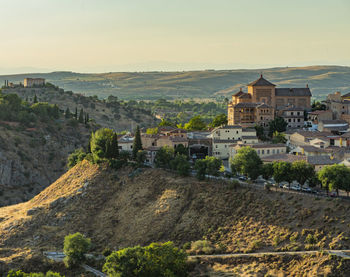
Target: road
x: 59, y: 256
x: 340, y: 253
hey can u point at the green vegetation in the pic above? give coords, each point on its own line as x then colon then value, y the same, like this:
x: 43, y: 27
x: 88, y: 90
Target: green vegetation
x: 12, y: 108
x: 335, y: 177
x: 20, y: 273
x: 77, y: 156
x: 104, y: 145
x: 247, y: 162
x: 156, y: 259
x: 137, y: 146
x: 195, y: 124
x: 277, y: 125
x: 209, y: 165
x: 169, y: 158
x: 278, y: 137
x: 219, y: 120
x: 75, y: 246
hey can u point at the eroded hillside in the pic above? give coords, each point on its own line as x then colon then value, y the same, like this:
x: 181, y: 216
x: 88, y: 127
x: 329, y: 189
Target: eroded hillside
x: 33, y: 158
x: 126, y: 208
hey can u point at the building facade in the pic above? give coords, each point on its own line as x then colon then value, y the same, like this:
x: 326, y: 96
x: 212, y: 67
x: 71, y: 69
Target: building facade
x: 263, y: 99
x: 33, y: 82
x: 223, y: 137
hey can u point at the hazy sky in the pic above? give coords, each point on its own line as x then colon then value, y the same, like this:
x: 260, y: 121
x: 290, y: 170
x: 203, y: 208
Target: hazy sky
x: 134, y: 35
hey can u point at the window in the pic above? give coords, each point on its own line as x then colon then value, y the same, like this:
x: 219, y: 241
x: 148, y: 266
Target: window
x: 278, y: 151
x: 262, y: 152
x: 289, y: 120
x: 273, y: 151
x: 216, y: 146
x: 268, y: 151
x: 292, y: 113
x: 258, y: 152
x: 236, y: 132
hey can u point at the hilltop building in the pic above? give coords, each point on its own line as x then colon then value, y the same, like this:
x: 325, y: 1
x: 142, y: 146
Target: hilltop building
x: 33, y: 82
x: 263, y: 100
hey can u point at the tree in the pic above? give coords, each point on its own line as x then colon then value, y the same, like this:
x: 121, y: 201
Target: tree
x: 335, y: 177
x: 317, y: 105
x: 195, y: 124
x: 67, y: 113
x: 219, y: 120
x: 100, y: 144
x: 75, y: 246
x: 213, y: 165
x: 247, y: 162
x: 181, y: 165
x: 302, y: 172
x: 81, y: 116
x: 152, y: 131
x: 267, y: 171
x: 163, y: 157
x: 113, y: 151
x: 141, y: 157
x: 282, y: 171
x: 76, y: 113
x: 181, y: 149
x: 200, y: 166
x: 166, y: 122
x: 157, y: 260
x: 77, y: 156
x: 137, y: 142
x: 260, y: 133
x: 278, y: 137
x: 35, y: 99
x: 278, y: 124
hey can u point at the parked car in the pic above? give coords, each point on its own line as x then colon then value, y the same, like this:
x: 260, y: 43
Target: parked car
x: 333, y: 194
x: 305, y: 189
x: 285, y: 186
x: 296, y: 188
x: 242, y: 178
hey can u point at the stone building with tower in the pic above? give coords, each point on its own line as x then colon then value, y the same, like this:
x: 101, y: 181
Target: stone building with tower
x: 33, y: 82
x: 263, y: 100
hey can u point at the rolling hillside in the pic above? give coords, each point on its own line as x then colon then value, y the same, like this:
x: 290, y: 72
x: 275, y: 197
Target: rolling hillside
x: 194, y: 84
x: 127, y: 208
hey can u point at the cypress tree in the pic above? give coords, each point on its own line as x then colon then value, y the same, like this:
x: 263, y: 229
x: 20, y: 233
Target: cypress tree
x: 137, y: 142
x: 114, y: 154
x: 76, y: 113
x: 67, y: 113
x: 35, y: 99
x: 81, y: 116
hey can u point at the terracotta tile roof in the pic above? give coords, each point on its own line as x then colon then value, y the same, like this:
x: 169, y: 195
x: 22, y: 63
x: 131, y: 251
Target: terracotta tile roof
x: 284, y: 158
x: 261, y: 82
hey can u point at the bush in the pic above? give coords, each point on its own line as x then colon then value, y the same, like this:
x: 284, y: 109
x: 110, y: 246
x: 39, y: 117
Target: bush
x: 156, y: 260
x: 77, y: 156
x: 202, y: 247
x: 20, y: 273
x: 311, y: 239
x: 75, y: 246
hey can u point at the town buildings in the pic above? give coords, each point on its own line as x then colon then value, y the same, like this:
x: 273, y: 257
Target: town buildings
x: 224, y: 136
x: 260, y: 104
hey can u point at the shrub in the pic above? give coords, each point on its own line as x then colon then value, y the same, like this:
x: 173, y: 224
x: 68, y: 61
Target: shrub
x: 75, y: 246
x: 202, y: 246
x: 156, y: 260
x: 76, y: 157
x: 20, y: 273
x: 311, y: 239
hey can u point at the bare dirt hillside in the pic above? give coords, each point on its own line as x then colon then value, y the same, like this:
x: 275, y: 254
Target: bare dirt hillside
x: 127, y: 208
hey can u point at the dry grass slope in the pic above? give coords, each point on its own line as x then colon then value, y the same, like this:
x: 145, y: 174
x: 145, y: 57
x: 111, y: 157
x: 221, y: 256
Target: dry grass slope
x: 116, y: 211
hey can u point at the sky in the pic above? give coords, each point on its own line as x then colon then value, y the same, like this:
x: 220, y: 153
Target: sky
x: 144, y: 35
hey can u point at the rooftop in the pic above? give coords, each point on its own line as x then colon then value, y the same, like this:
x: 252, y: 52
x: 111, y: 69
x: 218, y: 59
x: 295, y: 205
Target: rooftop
x: 283, y: 158
x: 293, y: 92
x: 321, y: 160
x: 261, y: 82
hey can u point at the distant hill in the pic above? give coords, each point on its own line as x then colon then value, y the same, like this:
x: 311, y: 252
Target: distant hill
x: 194, y: 84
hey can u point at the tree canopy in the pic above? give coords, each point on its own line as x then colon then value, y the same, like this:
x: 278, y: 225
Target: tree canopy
x: 156, y: 259
x: 247, y: 162
x: 195, y: 124
x: 278, y: 124
x: 219, y: 120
